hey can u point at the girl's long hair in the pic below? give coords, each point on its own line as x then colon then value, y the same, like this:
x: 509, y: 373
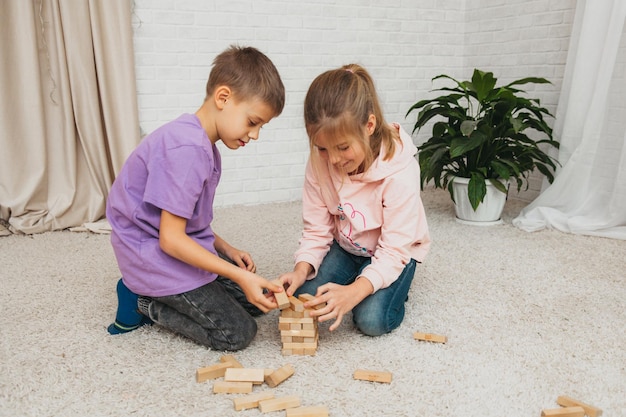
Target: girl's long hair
x: 338, y: 105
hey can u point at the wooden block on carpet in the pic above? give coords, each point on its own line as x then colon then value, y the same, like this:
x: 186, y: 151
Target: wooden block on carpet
x: 373, y: 376
x: 429, y: 337
x: 231, y: 359
x: 316, y: 411
x: 252, y: 400
x: 564, y: 412
x: 279, y: 375
x: 211, y: 372
x: 254, y: 375
x: 277, y: 404
x: 232, y: 387
x: 590, y: 410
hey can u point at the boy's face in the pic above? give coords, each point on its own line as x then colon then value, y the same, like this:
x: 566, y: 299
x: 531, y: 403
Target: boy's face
x: 241, y: 121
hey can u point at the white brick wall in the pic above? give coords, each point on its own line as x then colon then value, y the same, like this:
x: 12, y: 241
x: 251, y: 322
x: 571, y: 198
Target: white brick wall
x: 403, y: 44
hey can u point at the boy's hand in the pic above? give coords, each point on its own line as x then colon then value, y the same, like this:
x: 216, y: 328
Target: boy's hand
x: 241, y: 258
x: 254, y: 287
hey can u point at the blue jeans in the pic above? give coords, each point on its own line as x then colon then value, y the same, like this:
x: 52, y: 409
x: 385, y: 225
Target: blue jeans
x: 216, y: 315
x: 378, y: 313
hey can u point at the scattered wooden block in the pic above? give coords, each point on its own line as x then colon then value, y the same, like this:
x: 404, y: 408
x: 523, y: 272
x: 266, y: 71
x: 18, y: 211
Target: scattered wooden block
x: 252, y: 400
x: 211, y: 372
x: 317, y: 411
x: 279, y: 375
x: 590, y: 410
x: 276, y: 404
x: 231, y: 359
x: 428, y: 337
x: 281, y: 297
x: 254, y: 375
x: 232, y: 387
x: 373, y: 376
x: 564, y: 412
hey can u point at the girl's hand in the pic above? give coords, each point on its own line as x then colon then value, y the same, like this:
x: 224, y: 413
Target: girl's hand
x: 293, y: 280
x: 339, y: 299
x: 296, y: 278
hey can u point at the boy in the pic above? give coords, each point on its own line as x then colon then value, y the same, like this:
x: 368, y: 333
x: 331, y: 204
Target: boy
x: 176, y: 271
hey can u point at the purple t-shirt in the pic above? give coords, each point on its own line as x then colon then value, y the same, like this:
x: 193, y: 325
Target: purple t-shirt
x: 175, y: 168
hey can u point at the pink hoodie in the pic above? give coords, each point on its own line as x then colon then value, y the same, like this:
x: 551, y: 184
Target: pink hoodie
x: 378, y: 213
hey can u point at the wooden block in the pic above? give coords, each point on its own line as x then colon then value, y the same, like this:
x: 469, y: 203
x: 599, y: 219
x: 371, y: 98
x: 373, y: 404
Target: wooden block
x: 232, y: 360
x: 318, y: 411
x: 308, y: 326
x: 428, y: 337
x: 310, y: 352
x: 298, y: 333
x: 211, y: 372
x: 232, y: 387
x: 276, y: 404
x: 373, y: 376
x: 279, y: 375
x: 309, y: 297
x: 300, y: 345
x: 281, y: 297
x: 564, y: 412
x: 590, y: 410
x: 296, y: 304
x: 254, y: 375
x: 293, y: 320
x: 252, y: 400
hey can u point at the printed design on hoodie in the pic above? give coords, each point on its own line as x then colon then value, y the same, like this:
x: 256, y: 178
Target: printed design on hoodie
x: 352, y: 213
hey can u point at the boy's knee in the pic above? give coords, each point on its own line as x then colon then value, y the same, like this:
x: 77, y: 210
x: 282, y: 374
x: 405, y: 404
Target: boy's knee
x: 240, y: 337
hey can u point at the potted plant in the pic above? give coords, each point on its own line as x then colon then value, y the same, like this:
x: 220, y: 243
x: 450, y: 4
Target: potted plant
x: 480, y: 136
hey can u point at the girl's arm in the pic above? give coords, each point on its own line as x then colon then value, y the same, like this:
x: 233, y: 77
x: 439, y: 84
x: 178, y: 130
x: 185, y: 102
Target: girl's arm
x: 175, y: 242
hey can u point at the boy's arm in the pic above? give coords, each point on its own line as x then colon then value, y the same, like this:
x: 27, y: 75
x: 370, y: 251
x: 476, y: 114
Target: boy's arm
x: 175, y: 242
x: 241, y: 258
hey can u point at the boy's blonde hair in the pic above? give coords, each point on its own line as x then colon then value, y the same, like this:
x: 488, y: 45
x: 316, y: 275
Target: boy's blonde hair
x: 338, y: 105
x: 249, y: 74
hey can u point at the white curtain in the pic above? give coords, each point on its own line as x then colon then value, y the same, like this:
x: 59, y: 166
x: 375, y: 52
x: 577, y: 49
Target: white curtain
x: 68, y: 109
x: 588, y: 195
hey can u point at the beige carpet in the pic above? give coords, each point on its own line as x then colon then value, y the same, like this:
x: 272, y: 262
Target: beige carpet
x: 529, y: 317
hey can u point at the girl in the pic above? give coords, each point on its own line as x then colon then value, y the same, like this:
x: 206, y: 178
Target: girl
x: 364, y: 223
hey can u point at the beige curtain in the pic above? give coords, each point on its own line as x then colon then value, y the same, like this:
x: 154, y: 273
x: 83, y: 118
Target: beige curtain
x: 68, y: 109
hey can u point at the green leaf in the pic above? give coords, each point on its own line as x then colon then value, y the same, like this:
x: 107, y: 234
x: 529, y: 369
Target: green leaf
x: 483, y: 83
x: 476, y: 190
x: 468, y: 126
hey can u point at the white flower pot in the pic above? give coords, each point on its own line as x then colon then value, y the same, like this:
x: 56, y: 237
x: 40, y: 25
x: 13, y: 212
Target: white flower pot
x: 488, y: 213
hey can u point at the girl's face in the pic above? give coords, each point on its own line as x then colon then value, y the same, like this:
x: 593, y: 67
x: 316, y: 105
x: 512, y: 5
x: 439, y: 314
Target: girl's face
x: 346, y: 155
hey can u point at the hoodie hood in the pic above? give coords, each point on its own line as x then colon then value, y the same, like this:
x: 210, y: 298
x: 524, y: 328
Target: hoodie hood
x: 404, y: 154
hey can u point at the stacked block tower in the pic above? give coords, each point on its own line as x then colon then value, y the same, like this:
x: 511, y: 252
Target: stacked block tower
x: 298, y: 330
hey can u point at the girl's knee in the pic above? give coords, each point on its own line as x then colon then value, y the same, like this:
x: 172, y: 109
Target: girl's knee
x: 377, y: 323
x: 372, y: 327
